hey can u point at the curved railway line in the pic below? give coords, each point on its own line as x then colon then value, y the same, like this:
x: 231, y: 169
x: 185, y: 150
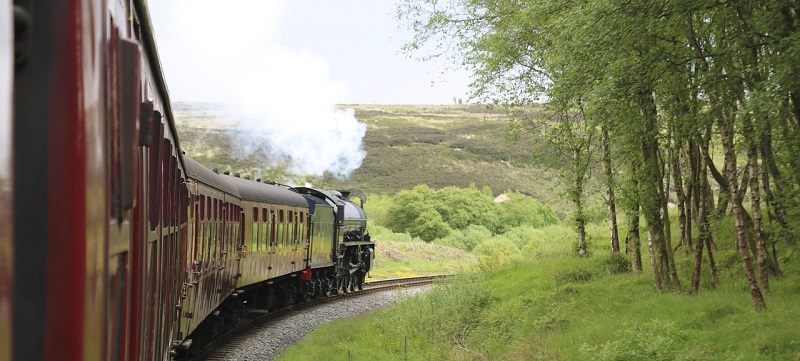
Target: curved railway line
x: 255, y: 319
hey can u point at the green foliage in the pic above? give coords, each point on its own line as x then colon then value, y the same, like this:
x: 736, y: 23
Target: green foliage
x: 429, y: 225
x: 665, y: 80
x: 595, y: 214
x: 521, y: 210
x: 521, y: 235
x: 406, y: 208
x: 618, y: 263
x: 497, y: 251
x: 654, y: 340
x: 431, y: 214
x: 377, y: 209
x: 462, y: 207
x: 460, y: 217
x: 467, y: 239
x: 551, y: 241
x: 386, y: 234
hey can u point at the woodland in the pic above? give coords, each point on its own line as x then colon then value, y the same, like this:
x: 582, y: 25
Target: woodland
x: 649, y: 89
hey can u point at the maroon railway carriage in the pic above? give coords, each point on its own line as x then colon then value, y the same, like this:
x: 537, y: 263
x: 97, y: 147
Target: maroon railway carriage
x: 99, y: 206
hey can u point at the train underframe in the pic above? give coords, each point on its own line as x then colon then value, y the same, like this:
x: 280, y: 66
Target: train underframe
x: 347, y: 274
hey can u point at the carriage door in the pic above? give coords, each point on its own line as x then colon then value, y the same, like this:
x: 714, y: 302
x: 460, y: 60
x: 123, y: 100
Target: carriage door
x: 124, y: 101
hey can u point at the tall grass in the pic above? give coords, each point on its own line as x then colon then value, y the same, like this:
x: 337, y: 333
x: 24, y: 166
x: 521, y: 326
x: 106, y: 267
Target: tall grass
x: 549, y: 305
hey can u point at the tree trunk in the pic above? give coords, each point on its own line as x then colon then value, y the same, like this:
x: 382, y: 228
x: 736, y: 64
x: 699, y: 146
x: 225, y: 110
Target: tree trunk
x: 771, y: 169
x: 692, y: 186
x: 698, y: 263
x: 755, y: 207
x: 705, y: 142
x: 741, y: 238
x: 676, y: 176
x: 577, y: 199
x: 633, y: 239
x: 652, y: 199
x: 633, y: 242
x: 611, y: 201
x: 704, y: 237
x: 724, y: 187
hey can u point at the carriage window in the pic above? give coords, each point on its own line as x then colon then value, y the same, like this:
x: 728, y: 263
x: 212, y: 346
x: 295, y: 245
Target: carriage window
x: 254, y: 241
x: 201, y: 229
x: 265, y: 231
x: 273, y: 231
x: 196, y: 211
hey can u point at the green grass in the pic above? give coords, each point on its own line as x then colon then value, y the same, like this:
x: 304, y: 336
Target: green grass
x: 398, y: 255
x: 558, y: 307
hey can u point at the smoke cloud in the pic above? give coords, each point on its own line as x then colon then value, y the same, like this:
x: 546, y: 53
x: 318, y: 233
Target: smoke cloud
x: 284, y: 99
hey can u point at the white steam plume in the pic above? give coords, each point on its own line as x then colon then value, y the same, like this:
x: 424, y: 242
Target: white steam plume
x: 283, y: 98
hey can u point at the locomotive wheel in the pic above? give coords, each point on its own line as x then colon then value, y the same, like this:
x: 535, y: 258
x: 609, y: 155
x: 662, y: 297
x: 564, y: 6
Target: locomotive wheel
x: 360, y: 280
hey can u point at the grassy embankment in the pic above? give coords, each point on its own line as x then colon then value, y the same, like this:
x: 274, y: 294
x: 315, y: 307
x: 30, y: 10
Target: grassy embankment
x: 553, y: 306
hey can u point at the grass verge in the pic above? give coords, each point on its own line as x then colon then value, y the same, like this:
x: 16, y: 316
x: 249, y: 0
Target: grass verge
x: 565, y: 308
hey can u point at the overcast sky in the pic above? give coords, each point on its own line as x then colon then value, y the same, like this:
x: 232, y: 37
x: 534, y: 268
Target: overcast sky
x: 345, y: 51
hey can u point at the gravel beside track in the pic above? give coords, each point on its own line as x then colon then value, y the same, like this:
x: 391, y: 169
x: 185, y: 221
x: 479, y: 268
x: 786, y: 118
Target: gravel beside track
x: 268, y: 340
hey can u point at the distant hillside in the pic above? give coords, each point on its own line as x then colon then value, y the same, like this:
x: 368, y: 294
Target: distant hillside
x: 406, y: 145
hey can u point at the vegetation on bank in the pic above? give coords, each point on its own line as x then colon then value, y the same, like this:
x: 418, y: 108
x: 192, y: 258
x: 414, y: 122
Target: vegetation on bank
x: 549, y: 304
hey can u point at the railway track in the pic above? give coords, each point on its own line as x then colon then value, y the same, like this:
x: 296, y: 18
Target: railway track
x: 255, y: 319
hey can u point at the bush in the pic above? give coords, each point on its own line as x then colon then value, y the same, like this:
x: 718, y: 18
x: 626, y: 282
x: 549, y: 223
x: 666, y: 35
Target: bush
x: 655, y: 340
x: 617, y: 263
x: 377, y: 209
x: 497, y: 251
x: 429, y: 226
x: 521, y: 210
x: 555, y: 240
x: 384, y: 234
x: 467, y: 239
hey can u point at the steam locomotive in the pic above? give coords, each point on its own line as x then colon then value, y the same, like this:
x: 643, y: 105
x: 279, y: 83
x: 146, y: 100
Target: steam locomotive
x: 114, y: 245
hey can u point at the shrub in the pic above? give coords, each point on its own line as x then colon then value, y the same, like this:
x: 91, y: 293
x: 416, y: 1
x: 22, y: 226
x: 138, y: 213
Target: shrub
x: 429, y: 226
x: 655, y: 340
x: 617, y: 263
x: 497, y: 251
x: 555, y: 240
x: 521, y: 210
